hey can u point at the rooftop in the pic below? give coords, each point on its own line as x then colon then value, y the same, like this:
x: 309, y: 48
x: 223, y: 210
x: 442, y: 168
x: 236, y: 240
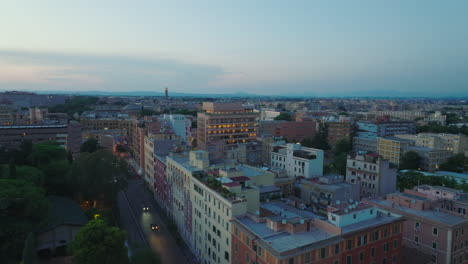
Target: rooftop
x: 436, y: 216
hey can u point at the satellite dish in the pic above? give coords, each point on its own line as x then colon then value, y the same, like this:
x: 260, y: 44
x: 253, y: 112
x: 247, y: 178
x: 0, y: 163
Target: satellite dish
x: 283, y: 221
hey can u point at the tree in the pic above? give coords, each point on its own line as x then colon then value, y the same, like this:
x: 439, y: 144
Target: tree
x: 146, y: 112
x: 90, y: 145
x: 55, y: 178
x: 45, y: 152
x: 99, y: 243
x: 23, y: 207
x: 98, y: 175
x: 30, y: 174
x: 410, y: 161
x: 320, y: 140
x: 144, y: 256
x: 283, y: 116
x: 342, y: 146
x: 457, y: 163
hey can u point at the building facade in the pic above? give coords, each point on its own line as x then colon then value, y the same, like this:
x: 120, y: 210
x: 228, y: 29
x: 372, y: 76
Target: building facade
x: 298, y: 161
x: 372, y: 173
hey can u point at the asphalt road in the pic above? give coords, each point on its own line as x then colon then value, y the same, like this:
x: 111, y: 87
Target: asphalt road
x: 160, y: 241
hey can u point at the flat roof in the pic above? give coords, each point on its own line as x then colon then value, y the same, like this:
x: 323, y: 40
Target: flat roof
x: 436, y: 216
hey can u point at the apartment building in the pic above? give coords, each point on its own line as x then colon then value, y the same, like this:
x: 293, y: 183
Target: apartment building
x: 106, y: 124
x: 365, y: 142
x: 223, y: 125
x: 430, y: 158
x: 386, y: 128
x: 450, y: 142
x: 181, y: 125
x: 391, y: 148
x: 298, y: 161
x: 337, y: 131
x: 323, y: 191
x: 67, y: 135
x: 372, y: 173
x: 351, y: 233
x: 432, y: 233
x: 203, y: 197
x: 296, y: 131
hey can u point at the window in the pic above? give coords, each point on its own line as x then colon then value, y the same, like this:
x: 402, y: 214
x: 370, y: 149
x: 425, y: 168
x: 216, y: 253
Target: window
x: 395, y: 259
x: 396, y: 228
x: 236, y: 248
x: 349, y: 259
x: 372, y: 252
x: 375, y: 236
x: 416, y: 239
x: 384, y: 261
x: 361, y: 255
x: 435, y: 231
x: 226, y: 255
x: 385, y: 247
x: 260, y: 251
x: 434, y: 258
x: 417, y: 224
x: 337, y: 248
x: 307, y: 257
x: 434, y: 245
x: 247, y: 257
x: 350, y: 244
x: 385, y: 233
x: 323, y: 253
x: 291, y: 261
x: 395, y: 243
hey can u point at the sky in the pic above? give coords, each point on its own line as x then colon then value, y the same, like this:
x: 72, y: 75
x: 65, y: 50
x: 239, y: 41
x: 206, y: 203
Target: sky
x: 266, y: 47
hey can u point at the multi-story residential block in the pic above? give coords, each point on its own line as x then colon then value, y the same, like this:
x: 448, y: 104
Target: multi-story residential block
x: 296, y: 131
x: 374, y: 174
x: 203, y: 198
x: 365, y: 142
x: 433, y: 232
x: 67, y: 135
x: 430, y: 158
x: 323, y: 191
x: 139, y: 130
x: 450, y: 142
x: 391, y: 148
x: 106, y: 124
x: 297, y: 160
x: 337, y: 131
x: 351, y: 233
x: 268, y: 128
x: 224, y: 125
x: 181, y: 125
x: 386, y: 128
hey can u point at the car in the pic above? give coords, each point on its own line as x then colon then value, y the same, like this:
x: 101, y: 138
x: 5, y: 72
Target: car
x: 145, y: 208
x: 154, y: 227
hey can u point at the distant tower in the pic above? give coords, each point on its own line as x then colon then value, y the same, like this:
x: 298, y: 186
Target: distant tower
x: 166, y: 91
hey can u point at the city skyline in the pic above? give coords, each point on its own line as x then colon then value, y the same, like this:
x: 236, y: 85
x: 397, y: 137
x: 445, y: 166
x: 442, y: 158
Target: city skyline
x: 395, y: 48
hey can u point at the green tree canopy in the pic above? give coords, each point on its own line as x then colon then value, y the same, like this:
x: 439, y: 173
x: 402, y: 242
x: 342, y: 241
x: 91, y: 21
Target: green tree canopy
x: 342, y: 146
x: 410, y: 161
x: 46, y: 152
x: 99, y: 243
x: 77, y: 104
x: 90, y: 145
x: 98, y: 174
x: 457, y: 163
x: 23, y: 207
x: 284, y: 116
x: 320, y: 140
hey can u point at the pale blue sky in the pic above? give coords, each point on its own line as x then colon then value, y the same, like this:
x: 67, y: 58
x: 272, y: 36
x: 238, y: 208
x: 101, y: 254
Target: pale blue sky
x: 264, y: 47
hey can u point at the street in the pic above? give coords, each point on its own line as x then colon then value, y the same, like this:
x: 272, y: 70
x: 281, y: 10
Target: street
x: 160, y: 241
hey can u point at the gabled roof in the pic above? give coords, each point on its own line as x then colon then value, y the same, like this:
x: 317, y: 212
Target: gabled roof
x: 63, y: 211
